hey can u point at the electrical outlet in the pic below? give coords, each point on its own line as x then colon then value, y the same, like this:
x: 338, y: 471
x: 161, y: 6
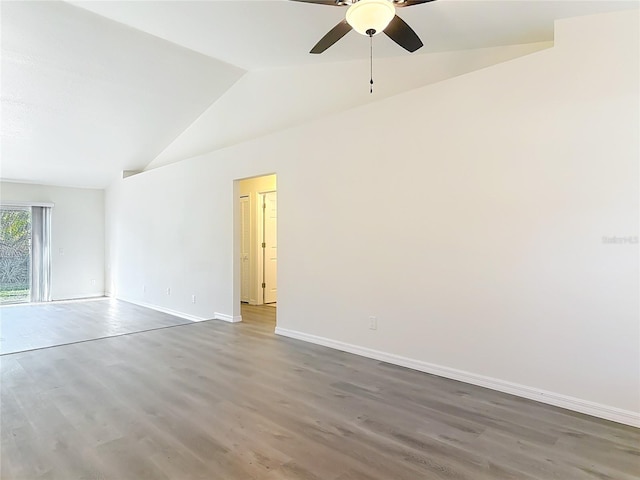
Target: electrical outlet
x: 144, y: 289
x: 93, y: 281
x: 193, y: 299
x: 373, y: 323
x: 168, y: 291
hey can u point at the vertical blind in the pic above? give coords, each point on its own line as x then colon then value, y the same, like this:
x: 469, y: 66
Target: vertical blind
x: 40, y: 254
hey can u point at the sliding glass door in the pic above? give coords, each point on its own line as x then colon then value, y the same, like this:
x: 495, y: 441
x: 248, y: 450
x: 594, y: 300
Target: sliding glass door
x: 15, y: 254
x: 25, y: 253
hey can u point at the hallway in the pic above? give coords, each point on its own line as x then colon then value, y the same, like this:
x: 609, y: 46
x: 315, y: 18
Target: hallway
x: 259, y: 314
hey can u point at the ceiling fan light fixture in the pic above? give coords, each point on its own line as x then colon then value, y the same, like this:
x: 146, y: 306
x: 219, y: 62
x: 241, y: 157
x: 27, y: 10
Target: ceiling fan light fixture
x: 367, y: 15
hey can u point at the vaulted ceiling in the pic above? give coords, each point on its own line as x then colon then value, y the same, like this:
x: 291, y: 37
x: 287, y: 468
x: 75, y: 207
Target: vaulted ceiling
x: 93, y: 88
x: 260, y: 34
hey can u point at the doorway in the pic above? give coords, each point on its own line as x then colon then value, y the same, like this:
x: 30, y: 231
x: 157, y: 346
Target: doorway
x: 257, y: 207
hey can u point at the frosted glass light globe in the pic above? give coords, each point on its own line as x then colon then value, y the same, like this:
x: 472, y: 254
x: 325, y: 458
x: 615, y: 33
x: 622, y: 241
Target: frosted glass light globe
x: 370, y: 15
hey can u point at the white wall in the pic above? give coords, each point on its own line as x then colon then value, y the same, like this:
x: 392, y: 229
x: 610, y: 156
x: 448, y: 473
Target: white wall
x: 77, y: 230
x: 467, y: 215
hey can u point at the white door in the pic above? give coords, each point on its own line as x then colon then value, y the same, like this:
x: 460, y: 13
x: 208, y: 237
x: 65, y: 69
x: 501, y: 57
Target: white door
x: 270, y: 247
x: 245, y: 245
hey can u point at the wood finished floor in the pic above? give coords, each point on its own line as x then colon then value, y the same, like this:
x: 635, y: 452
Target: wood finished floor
x: 259, y: 314
x: 32, y: 326
x: 213, y: 400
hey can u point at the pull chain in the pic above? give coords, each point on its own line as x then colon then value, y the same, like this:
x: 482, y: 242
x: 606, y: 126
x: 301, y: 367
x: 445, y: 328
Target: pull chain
x: 371, y: 62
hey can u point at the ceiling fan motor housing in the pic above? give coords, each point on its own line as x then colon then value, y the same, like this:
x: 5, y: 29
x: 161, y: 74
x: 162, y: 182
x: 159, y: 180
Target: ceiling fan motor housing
x: 344, y: 3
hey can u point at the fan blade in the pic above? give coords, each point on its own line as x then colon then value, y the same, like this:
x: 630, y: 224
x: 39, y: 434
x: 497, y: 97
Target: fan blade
x: 321, y: 2
x: 335, y: 34
x: 403, y: 34
x: 406, y: 3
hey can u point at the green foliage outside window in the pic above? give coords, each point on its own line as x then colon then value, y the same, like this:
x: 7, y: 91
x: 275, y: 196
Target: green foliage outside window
x: 15, y: 254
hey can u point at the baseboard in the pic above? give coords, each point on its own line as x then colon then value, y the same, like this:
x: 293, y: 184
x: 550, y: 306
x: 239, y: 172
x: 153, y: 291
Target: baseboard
x: 606, y: 412
x: 175, y: 313
x: 80, y: 296
x: 70, y: 300
x: 227, y: 318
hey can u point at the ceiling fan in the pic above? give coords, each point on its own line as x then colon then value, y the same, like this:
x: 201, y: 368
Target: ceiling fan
x: 370, y: 17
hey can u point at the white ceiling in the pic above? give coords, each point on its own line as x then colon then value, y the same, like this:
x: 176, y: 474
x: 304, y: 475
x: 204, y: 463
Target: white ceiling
x: 88, y: 92
x: 274, y: 33
x: 304, y: 93
x: 84, y: 98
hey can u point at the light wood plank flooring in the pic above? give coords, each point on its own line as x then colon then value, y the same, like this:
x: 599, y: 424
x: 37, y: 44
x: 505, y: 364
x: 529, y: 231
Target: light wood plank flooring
x: 259, y: 314
x: 32, y: 326
x: 213, y: 400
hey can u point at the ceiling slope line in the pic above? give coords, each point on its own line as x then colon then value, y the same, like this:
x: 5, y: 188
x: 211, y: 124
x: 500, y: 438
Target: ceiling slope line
x: 210, y: 119
x: 149, y: 166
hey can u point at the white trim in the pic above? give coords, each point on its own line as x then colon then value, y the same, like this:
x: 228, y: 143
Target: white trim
x: 92, y: 298
x: 227, y: 318
x: 88, y: 298
x: 607, y: 412
x: 175, y: 313
x: 27, y: 204
x: 258, y: 237
x: 79, y: 297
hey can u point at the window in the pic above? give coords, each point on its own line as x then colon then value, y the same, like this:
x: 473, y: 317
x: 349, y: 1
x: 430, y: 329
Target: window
x: 15, y: 254
x: 25, y: 257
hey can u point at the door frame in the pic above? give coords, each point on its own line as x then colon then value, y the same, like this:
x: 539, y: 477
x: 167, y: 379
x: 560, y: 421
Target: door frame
x: 261, y: 261
x: 245, y: 199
